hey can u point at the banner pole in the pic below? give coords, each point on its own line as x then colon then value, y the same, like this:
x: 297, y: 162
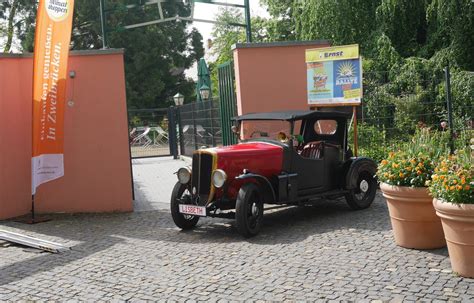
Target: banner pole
x: 33, y: 208
x: 354, y: 114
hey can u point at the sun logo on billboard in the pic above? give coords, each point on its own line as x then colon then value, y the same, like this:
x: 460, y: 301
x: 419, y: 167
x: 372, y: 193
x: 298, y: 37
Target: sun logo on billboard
x: 58, y: 10
x: 346, y: 69
x: 346, y: 74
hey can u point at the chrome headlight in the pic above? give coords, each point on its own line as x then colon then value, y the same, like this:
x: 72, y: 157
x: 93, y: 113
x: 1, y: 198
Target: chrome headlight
x: 218, y: 178
x: 184, y: 175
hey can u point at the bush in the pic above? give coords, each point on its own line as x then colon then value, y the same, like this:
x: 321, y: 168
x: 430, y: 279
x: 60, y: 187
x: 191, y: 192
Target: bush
x: 371, y: 141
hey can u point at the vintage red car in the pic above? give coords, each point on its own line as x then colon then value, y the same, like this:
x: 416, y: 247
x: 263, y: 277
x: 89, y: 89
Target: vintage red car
x: 290, y: 158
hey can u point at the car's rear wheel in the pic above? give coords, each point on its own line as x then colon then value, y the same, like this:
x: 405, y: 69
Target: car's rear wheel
x: 181, y: 220
x: 249, y: 210
x: 363, y: 194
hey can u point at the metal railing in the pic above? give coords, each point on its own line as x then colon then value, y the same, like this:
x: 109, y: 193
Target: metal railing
x: 149, y: 133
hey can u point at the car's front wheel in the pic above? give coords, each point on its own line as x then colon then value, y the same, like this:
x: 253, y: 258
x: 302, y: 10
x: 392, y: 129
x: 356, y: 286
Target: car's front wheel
x: 181, y: 220
x: 363, y: 194
x: 249, y: 210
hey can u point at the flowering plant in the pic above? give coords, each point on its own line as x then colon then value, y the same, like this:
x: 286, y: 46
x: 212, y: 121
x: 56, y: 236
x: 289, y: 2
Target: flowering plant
x: 413, y: 164
x: 453, y: 179
x: 403, y: 169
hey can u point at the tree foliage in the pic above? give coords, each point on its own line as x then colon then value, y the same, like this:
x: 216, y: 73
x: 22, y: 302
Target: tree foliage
x: 341, y: 22
x: 16, y: 19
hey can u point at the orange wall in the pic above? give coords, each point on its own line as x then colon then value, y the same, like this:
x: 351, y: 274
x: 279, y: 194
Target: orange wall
x: 97, y: 167
x: 272, y: 76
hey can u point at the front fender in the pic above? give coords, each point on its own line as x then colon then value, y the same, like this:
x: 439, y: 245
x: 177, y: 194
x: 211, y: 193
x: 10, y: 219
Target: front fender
x: 267, y: 190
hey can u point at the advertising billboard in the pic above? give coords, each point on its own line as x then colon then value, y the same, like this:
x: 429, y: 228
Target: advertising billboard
x: 334, y: 76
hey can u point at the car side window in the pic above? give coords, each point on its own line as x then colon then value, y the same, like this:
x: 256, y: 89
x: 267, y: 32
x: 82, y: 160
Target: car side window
x: 325, y: 127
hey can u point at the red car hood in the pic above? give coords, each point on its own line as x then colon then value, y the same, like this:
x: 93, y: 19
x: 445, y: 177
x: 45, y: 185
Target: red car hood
x: 248, y: 148
x: 258, y: 157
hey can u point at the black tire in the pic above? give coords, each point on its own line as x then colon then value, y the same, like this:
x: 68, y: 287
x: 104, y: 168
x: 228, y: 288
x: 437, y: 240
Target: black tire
x: 363, y: 195
x: 182, y: 221
x: 249, y: 210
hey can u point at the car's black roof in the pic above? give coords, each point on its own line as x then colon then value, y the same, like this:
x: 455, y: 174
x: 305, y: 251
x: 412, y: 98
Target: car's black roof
x: 292, y: 115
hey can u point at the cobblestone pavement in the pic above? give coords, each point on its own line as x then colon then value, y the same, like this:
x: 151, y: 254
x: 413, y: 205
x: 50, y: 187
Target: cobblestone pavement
x: 323, y: 252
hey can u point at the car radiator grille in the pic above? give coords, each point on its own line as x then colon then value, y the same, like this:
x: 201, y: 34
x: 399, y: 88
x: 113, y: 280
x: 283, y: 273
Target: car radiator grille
x: 201, y: 175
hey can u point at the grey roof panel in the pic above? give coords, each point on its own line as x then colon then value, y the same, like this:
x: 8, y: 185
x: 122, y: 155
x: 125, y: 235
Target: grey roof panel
x: 292, y: 115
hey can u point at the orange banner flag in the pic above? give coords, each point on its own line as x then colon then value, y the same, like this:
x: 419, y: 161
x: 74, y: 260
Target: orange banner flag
x: 52, y: 38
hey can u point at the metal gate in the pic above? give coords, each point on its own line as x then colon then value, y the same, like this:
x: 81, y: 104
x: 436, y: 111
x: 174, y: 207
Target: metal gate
x: 199, y: 126
x: 228, y: 101
x: 151, y: 133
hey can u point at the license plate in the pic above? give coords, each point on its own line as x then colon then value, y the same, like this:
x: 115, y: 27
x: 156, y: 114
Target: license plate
x: 192, y: 210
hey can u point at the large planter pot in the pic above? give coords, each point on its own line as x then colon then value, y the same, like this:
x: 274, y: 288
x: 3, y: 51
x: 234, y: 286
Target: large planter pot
x: 458, y: 226
x: 413, y: 218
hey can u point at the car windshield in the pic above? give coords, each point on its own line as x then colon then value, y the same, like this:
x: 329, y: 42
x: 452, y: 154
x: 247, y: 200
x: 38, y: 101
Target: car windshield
x: 268, y: 129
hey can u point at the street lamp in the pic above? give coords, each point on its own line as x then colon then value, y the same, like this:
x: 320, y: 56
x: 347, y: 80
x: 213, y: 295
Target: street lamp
x: 178, y: 99
x: 205, y: 92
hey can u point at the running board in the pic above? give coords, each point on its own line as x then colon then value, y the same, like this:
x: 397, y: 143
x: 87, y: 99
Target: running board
x: 32, y: 242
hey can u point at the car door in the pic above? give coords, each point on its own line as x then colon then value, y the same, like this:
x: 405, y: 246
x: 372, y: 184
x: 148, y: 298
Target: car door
x: 314, y: 173
x: 311, y: 173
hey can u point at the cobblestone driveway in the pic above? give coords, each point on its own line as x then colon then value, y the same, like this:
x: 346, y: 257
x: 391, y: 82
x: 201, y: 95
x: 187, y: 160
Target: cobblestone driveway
x: 322, y: 252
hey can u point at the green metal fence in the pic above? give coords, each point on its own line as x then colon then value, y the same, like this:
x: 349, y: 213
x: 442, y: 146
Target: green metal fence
x: 228, y: 101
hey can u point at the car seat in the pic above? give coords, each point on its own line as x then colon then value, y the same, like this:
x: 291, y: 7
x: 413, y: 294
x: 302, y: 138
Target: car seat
x: 313, y: 150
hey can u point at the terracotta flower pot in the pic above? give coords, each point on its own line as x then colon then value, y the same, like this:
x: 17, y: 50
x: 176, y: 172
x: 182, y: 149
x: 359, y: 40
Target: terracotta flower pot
x: 414, y: 220
x: 458, y: 226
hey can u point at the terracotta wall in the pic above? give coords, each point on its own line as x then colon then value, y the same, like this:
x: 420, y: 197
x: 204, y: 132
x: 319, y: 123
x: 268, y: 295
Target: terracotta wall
x: 272, y: 76
x: 97, y: 167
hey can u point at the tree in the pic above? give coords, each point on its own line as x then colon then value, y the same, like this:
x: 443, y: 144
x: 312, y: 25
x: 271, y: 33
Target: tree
x: 281, y: 25
x: 17, y: 16
x: 451, y: 25
x: 404, y: 22
x: 225, y: 35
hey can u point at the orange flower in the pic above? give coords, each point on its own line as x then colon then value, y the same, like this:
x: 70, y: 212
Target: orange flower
x: 395, y: 165
x: 391, y: 155
x: 401, y: 175
x: 413, y: 161
x: 409, y: 168
x: 455, y: 182
x: 447, y: 187
x: 384, y: 162
x: 467, y: 187
x: 419, y: 172
x: 452, y: 187
x: 459, y: 187
x: 463, y: 181
x: 435, y: 177
x: 442, y: 177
